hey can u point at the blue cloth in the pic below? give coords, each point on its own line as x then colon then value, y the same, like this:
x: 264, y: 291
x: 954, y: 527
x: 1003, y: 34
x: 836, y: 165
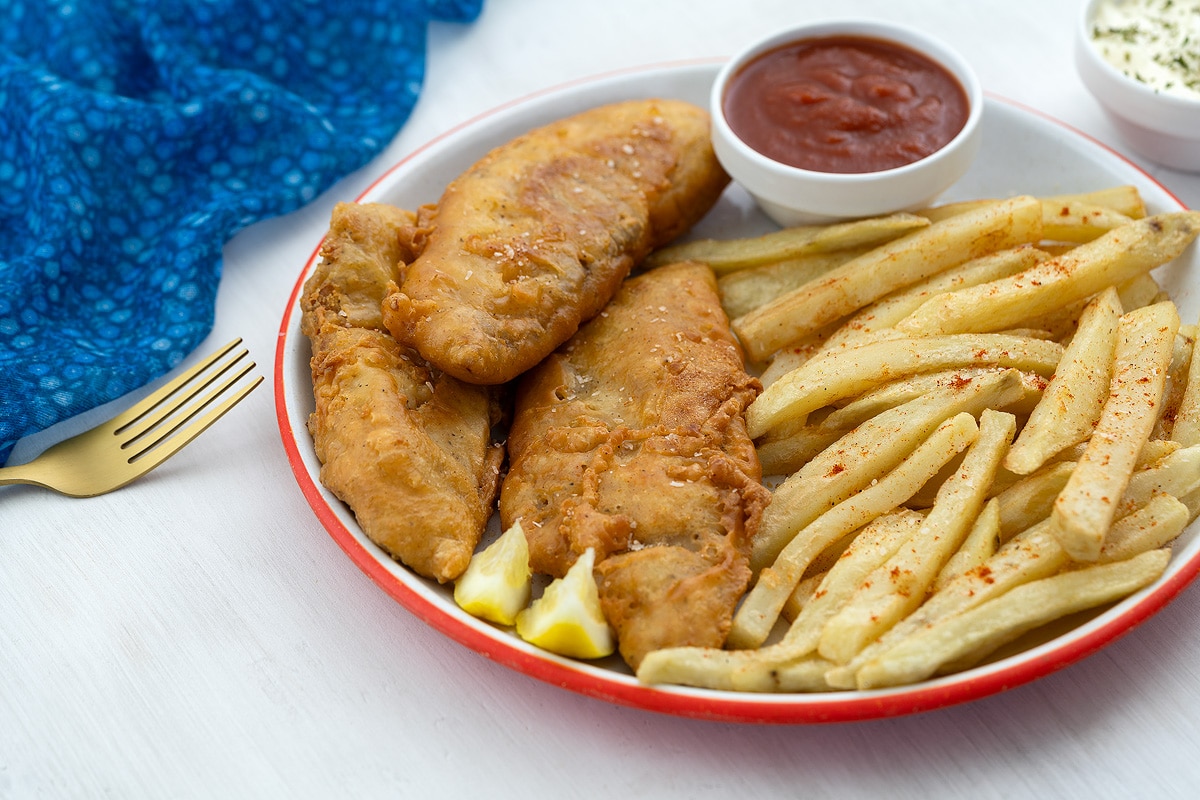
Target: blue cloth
x: 137, y: 136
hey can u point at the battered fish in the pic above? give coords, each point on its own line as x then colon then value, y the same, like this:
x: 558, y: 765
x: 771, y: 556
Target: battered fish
x: 630, y: 439
x: 406, y: 446
x: 536, y: 237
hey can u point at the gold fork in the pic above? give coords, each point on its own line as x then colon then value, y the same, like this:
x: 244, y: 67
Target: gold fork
x: 131, y: 444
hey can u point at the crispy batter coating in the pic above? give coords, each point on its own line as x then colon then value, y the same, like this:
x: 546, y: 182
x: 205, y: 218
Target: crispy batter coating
x: 536, y: 237
x: 407, y: 447
x: 630, y: 439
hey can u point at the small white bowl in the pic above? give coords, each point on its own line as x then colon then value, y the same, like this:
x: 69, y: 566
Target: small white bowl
x: 794, y: 196
x: 1164, y: 128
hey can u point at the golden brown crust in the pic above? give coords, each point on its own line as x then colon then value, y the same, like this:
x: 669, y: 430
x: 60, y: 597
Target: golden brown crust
x: 630, y: 439
x: 536, y: 237
x: 407, y: 447
x: 363, y: 253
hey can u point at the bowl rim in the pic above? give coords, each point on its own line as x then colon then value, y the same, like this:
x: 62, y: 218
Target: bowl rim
x: 906, y: 36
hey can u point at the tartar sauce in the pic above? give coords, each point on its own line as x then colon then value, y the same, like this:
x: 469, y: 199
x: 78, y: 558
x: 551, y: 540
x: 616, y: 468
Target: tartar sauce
x: 1156, y: 42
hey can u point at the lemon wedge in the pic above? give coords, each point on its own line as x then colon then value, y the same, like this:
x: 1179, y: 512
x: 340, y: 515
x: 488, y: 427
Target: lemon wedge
x: 497, y: 582
x: 567, y: 618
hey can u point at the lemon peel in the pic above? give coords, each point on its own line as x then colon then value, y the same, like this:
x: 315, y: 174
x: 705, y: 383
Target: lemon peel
x: 567, y: 618
x: 497, y: 582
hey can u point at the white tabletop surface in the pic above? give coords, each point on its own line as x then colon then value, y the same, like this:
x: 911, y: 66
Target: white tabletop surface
x: 198, y: 634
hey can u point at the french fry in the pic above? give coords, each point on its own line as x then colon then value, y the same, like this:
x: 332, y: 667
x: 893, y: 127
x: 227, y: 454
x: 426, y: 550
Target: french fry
x: 1067, y: 218
x: 789, y: 452
x: 898, y: 263
x: 1071, y: 403
x: 1031, y: 499
x: 1088, y: 503
x: 1141, y: 290
x: 1078, y: 221
x: 746, y: 289
x: 731, y: 670
x: 1177, y: 474
x: 803, y: 594
x: 872, y: 547
x: 890, y: 395
x: 1028, y: 556
x: 899, y: 585
x: 1186, y: 429
x: 980, y: 545
x: 1176, y: 382
x: 788, y: 665
x: 726, y: 255
x: 761, y: 607
x: 822, y: 381
x: 1116, y: 256
x: 865, y: 455
x: 1150, y: 527
x: 889, y: 310
x: 1123, y: 199
x: 976, y: 633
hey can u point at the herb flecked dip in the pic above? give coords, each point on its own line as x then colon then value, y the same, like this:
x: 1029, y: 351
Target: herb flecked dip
x: 1156, y: 42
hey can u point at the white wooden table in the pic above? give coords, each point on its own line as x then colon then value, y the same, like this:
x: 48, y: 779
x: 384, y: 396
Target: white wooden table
x: 198, y: 634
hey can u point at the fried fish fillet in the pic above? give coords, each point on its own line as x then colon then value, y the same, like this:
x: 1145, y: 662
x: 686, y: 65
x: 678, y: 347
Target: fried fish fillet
x: 406, y: 446
x: 631, y: 439
x: 536, y: 237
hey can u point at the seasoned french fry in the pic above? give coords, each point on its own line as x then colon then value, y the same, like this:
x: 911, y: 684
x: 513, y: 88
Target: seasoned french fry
x: 1176, y: 474
x: 900, y: 584
x: 1088, y: 503
x: 890, y: 395
x: 1138, y: 291
x: 1186, y: 429
x: 1124, y: 199
x: 1150, y: 527
x: 761, y: 607
x: 727, y: 255
x: 1176, y: 383
x: 731, y: 670
x: 980, y: 545
x: 948, y: 210
x: 747, y: 289
x: 1071, y: 403
x: 1028, y: 556
x: 789, y: 452
x: 886, y: 268
x: 1078, y: 221
x: 872, y: 547
x: 788, y: 665
x: 1068, y: 218
x: 865, y: 455
x: 792, y: 357
x: 822, y: 381
x: 1031, y: 499
x: 1116, y: 256
x: 889, y: 310
x: 803, y: 594
x: 1191, y: 501
x: 976, y: 633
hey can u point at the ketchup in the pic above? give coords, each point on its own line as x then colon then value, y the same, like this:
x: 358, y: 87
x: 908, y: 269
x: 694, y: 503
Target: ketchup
x: 845, y: 104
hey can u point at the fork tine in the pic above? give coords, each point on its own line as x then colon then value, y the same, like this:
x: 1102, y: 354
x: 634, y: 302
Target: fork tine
x: 181, y: 434
x: 164, y: 426
x: 122, y: 421
x: 166, y: 402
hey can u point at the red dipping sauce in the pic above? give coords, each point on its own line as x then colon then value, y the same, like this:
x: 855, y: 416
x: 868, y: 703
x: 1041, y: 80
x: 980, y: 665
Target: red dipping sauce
x: 845, y: 104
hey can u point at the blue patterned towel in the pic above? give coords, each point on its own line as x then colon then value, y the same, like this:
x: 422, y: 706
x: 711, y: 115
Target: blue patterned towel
x: 137, y: 136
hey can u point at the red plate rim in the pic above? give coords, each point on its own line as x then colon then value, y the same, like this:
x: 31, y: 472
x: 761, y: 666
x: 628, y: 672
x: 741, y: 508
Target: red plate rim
x: 829, y: 707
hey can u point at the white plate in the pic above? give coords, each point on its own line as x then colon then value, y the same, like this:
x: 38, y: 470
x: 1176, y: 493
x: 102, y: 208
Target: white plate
x: 1023, y: 153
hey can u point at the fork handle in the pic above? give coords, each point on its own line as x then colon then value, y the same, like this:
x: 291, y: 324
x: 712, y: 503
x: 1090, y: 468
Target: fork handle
x: 28, y: 474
